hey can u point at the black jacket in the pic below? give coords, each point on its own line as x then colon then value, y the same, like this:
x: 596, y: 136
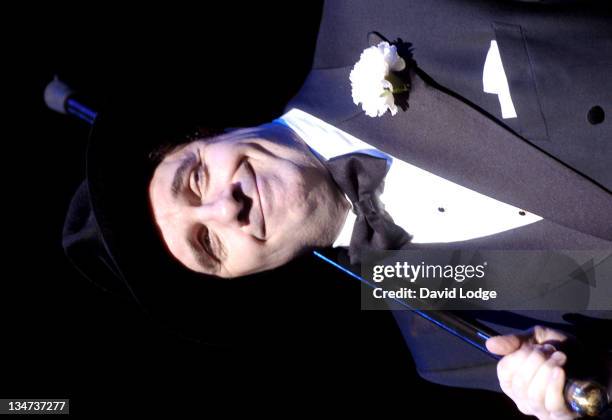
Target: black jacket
x: 553, y: 160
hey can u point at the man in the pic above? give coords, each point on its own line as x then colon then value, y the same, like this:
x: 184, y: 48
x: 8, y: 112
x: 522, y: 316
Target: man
x: 245, y: 202
x: 237, y: 203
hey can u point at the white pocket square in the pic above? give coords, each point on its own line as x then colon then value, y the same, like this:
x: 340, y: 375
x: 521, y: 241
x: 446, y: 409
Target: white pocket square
x: 494, y: 81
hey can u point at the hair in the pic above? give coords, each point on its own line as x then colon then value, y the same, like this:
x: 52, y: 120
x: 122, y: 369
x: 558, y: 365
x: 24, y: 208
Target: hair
x: 164, y: 149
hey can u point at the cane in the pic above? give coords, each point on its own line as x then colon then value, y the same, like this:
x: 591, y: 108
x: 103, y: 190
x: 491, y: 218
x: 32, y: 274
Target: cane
x: 584, y: 397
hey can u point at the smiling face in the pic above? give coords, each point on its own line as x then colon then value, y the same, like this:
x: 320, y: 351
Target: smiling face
x: 244, y: 202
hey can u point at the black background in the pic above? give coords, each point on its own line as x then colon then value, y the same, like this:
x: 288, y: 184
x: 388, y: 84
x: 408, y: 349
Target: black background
x: 63, y: 337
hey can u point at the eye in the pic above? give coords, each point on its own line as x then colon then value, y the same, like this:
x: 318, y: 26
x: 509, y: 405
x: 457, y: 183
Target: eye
x: 206, y: 242
x: 195, y: 181
x: 205, y: 239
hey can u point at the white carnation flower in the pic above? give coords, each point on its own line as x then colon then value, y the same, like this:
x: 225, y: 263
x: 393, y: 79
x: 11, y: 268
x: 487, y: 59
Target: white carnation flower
x: 370, y: 86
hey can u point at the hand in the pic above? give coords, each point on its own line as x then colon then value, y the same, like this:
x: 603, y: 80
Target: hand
x: 531, y: 372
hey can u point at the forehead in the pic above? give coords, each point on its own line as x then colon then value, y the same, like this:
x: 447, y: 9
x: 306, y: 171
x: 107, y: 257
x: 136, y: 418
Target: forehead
x: 179, y: 151
x: 163, y: 175
x: 167, y: 209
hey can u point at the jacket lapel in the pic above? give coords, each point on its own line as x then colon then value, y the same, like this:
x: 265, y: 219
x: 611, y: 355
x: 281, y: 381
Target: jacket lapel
x: 446, y: 136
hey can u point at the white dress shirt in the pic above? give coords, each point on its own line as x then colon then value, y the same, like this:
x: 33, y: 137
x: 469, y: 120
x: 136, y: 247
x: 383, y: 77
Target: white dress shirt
x: 425, y: 205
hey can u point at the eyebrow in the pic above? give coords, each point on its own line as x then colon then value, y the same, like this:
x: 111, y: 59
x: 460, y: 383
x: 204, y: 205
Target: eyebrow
x: 179, y: 176
x: 203, y: 259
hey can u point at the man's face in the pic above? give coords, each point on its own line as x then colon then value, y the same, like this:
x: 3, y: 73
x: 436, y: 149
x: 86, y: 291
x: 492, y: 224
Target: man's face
x: 244, y: 202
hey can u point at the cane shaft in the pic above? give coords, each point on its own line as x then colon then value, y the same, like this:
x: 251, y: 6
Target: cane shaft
x: 583, y: 397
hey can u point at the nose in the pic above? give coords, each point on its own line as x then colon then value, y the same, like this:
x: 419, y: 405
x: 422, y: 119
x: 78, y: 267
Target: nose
x: 227, y: 207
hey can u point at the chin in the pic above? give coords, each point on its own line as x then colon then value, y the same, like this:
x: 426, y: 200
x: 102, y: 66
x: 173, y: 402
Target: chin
x: 284, y: 255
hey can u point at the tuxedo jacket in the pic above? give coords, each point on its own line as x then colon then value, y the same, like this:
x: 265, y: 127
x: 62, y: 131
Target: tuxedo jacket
x: 553, y: 160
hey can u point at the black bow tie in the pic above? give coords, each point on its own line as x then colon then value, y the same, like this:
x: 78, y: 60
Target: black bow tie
x: 361, y: 178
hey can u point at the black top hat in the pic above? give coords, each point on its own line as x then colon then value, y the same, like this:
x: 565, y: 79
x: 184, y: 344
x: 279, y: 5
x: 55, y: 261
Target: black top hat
x: 110, y: 236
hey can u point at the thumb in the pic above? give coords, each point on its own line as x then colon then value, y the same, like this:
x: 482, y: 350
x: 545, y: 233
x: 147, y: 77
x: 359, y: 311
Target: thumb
x: 504, y: 344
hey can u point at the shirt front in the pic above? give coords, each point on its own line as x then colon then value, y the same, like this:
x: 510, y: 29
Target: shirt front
x: 428, y: 207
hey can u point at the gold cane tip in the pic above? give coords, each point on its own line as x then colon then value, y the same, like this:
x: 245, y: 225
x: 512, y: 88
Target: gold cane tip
x: 586, y: 398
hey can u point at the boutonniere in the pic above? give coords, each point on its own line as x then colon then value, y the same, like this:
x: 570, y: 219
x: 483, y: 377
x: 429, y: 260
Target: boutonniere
x: 378, y: 79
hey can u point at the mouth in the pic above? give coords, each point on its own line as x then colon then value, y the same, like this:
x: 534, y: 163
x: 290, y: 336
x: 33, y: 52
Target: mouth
x: 259, y: 200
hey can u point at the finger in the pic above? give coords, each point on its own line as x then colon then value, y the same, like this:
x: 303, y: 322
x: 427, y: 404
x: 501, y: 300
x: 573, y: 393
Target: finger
x: 536, y: 393
x: 508, y: 366
x: 524, y: 374
x: 543, y: 335
x: 504, y: 344
x: 554, y: 401
x: 524, y: 408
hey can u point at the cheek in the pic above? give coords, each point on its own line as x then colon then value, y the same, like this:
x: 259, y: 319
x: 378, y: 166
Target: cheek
x: 307, y: 195
x: 244, y: 254
x: 247, y: 256
x: 222, y: 159
x: 299, y: 185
